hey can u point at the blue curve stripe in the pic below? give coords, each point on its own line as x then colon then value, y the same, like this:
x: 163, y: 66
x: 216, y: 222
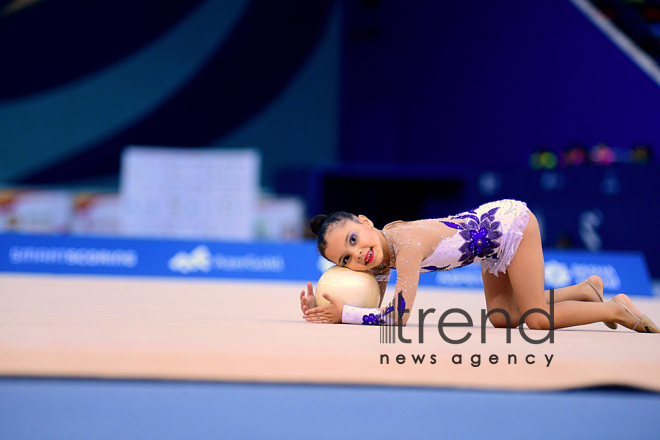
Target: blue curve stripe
x: 63, y: 121
x: 263, y: 53
x: 54, y: 42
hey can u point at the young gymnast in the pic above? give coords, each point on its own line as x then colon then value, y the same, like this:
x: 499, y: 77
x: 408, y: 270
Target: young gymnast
x: 503, y: 235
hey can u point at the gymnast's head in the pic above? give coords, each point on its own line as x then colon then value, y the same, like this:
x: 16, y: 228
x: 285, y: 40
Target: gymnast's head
x: 347, y: 240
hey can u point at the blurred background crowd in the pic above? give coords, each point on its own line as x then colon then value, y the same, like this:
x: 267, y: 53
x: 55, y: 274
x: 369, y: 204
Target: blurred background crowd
x: 239, y: 120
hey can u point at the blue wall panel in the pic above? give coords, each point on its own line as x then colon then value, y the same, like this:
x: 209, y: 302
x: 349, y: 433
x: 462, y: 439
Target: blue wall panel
x: 272, y: 261
x: 484, y: 84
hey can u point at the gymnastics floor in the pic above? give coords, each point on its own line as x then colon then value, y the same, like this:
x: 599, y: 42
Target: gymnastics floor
x: 112, y: 357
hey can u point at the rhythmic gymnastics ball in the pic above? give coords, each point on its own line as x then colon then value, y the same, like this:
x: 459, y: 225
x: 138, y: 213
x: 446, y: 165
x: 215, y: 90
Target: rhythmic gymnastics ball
x: 354, y: 288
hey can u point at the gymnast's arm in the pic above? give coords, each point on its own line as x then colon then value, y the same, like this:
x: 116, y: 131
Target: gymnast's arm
x: 332, y: 312
x: 382, y: 275
x: 408, y: 264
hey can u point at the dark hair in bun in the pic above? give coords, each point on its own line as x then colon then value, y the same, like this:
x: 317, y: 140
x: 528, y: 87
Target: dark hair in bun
x: 321, y: 223
x: 317, y: 222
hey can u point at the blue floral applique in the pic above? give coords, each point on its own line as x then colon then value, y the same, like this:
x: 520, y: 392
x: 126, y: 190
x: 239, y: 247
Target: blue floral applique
x: 472, y: 216
x: 451, y: 225
x: 479, y: 237
x: 402, y: 304
x: 377, y: 318
x: 372, y: 319
x: 435, y: 268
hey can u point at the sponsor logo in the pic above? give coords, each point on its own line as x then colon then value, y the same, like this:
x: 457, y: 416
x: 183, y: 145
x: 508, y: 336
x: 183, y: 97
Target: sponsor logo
x: 69, y: 256
x: 607, y: 272
x: 460, y: 277
x: 200, y: 259
x: 558, y: 274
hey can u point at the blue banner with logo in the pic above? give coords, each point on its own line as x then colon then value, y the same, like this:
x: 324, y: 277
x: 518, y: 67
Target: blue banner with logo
x: 621, y: 271
x: 136, y: 257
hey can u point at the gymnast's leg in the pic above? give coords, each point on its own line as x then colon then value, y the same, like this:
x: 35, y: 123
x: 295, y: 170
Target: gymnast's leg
x: 578, y: 292
x: 526, y: 276
x: 499, y: 294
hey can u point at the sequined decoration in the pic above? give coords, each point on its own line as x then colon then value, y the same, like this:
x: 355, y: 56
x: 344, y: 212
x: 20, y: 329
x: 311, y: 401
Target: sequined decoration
x: 479, y: 235
x: 372, y: 319
x: 377, y: 318
x: 435, y: 268
x: 401, y: 306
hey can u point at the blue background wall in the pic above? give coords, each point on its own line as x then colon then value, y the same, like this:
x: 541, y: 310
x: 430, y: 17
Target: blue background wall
x: 485, y: 84
x: 192, y: 74
x: 474, y: 88
x: 349, y: 103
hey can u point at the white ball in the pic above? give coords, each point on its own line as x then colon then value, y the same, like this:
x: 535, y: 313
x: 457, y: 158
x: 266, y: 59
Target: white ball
x: 354, y: 288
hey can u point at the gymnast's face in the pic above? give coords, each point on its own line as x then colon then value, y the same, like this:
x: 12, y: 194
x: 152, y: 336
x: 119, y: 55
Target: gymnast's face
x: 354, y: 244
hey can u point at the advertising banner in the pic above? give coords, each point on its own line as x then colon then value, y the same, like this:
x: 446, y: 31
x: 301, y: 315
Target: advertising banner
x: 621, y: 272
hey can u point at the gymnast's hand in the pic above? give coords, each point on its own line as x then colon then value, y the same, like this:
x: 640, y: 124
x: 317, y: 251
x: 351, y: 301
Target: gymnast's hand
x: 307, y: 301
x: 328, y: 314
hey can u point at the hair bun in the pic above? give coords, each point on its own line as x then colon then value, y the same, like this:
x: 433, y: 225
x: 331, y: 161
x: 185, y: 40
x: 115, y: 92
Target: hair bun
x: 317, y: 222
